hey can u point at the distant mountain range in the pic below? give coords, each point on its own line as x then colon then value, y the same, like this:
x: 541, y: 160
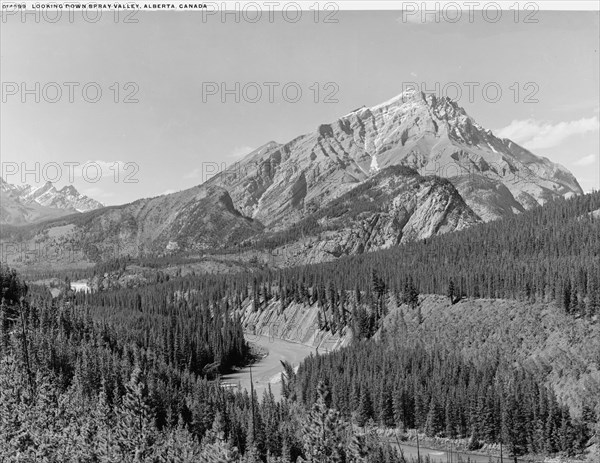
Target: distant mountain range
x: 23, y: 204
x: 406, y: 169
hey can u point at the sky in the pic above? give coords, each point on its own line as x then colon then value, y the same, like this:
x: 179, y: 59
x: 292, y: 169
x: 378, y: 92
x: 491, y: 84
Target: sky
x: 160, y: 125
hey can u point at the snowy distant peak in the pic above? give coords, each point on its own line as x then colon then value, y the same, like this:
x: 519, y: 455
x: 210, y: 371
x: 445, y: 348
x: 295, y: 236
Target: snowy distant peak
x: 35, y: 193
x: 67, y: 198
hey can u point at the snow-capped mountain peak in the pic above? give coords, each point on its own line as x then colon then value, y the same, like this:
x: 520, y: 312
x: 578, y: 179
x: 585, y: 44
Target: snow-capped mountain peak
x: 67, y: 199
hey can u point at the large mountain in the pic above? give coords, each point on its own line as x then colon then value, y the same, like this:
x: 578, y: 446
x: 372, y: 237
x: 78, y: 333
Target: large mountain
x: 22, y: 204
x: 407, y: 169
x: 278, y: 184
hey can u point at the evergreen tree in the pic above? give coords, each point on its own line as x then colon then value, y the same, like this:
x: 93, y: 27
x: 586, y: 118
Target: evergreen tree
x: 217, y: 449
x: 567, y: 296
x: 435, y: 419
x: 323, y: 432
x: 386, y: 416
x: 288, y: 381
x: 513, y: 427
x: 451, y: 290
x: 365, y: 408
x: 136, y: 431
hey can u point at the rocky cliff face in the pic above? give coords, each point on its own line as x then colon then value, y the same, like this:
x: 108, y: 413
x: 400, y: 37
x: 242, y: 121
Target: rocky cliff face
x: 297, y: 323
x: 395, y: 206
x: 279, y: 184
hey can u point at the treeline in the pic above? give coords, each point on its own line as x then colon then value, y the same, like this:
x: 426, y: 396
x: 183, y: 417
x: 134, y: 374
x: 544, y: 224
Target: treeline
x: 422, y: 386
x: 77, y: 390
x: 551, y: 253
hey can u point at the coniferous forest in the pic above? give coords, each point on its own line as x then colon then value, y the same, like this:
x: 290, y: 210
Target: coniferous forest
x: 133, y: 374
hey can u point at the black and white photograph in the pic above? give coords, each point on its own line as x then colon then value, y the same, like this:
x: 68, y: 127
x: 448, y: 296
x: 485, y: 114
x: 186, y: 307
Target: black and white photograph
x: 299, y: 231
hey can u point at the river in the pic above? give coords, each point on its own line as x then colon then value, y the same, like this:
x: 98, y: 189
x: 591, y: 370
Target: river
x: 267, y: 371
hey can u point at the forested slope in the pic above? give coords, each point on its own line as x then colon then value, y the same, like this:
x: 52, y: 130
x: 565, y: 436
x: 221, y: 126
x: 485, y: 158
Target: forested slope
x: 79, y: 386
x: 489, y: 371
x: 549, y: 253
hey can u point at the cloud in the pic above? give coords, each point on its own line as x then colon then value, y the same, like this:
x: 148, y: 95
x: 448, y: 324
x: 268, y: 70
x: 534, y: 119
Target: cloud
x: 168, y: 192
x: 535, y: 134
x: 586, y: 160
x: 240, y: 151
